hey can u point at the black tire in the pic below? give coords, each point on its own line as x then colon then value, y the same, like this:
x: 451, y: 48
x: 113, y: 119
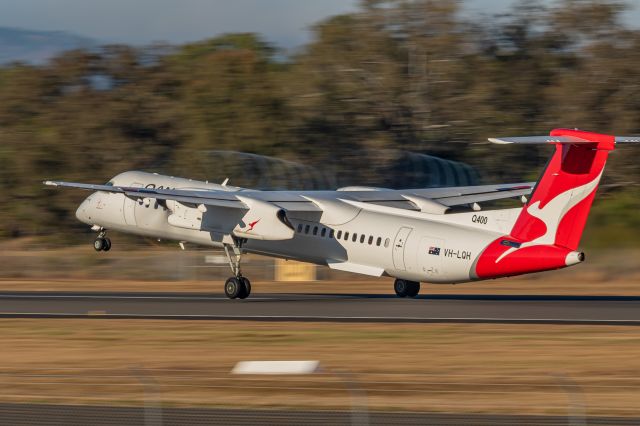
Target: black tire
x: 413, y: 289
x: 99, y: 244
x: 107, y: 244
x: 246, y: 288
x: 232, y: 288
x: 401, y: 287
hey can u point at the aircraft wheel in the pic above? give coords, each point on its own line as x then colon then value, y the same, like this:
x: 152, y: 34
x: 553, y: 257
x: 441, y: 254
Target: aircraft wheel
x: 401, y: 287
x: 233, y: 288
x: 107, y: 244
x: 99, y: 244
x: 245, y: 288
x: 413, y: 289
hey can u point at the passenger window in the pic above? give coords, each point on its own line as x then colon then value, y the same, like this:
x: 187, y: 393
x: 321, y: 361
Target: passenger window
x: 299, y: 228
x: 315, y: 230
x: 379, y: 241
x: 323, y: 232
x: 306, y: 229
x: 386, y: 243
x: 370, y: 239
x: 346, y: 236
x: 355, y: 237
x: 339, y: 235
x: 362, y: 237
x: 331, y: 233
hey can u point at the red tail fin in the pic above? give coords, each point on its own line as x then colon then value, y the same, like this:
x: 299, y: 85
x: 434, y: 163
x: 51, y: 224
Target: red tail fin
x: 560, y: 203
x: 548, y: 230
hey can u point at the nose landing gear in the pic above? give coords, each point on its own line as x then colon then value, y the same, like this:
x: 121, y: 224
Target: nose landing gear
x: 102, y: 243
x: 236, y: 287
x: 404, y: 288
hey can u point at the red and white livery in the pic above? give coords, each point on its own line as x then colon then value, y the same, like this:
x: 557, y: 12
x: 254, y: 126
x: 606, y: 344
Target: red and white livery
x: 436, y: 235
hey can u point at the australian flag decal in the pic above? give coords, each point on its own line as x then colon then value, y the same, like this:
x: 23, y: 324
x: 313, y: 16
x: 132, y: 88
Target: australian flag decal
x: 434, y: 251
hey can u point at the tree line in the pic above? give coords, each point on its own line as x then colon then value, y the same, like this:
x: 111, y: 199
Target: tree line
x: 395, y: 75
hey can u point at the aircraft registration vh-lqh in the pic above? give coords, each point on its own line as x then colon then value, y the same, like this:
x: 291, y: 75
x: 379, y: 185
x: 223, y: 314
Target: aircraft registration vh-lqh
x: 435, y: 235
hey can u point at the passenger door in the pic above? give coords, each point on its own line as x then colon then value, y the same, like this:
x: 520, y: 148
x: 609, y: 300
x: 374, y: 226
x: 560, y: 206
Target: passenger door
x: 398, y: 247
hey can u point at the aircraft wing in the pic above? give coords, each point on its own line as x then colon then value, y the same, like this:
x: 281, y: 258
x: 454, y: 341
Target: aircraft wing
x: 186, y: 196
x: 438, y: 200
x: 475, y: 194
x: 431, y: 200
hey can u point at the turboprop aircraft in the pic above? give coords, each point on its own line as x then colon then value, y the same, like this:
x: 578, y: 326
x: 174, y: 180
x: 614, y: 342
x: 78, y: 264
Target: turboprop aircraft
x: 435, y: 235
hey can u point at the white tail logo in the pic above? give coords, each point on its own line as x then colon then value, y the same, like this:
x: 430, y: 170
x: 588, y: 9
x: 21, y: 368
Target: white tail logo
x: 553, y: 213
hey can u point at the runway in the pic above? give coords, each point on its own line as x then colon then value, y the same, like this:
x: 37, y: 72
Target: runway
x: 452, y: 308
x: 69, y: 415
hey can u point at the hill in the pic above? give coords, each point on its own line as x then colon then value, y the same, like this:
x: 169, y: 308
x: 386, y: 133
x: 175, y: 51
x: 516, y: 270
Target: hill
x: 37, y: 46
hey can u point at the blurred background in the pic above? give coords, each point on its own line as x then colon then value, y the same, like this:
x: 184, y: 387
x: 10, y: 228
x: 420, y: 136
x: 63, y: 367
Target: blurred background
x: 291, y: 94
x: 348, y: 93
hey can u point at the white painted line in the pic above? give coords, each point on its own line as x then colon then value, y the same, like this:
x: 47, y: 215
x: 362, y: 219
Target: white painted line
x: 276, y: 367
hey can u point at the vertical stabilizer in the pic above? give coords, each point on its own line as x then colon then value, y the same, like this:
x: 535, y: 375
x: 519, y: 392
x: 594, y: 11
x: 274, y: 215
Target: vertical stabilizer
x: 548, y: 231
x: 558, y: 209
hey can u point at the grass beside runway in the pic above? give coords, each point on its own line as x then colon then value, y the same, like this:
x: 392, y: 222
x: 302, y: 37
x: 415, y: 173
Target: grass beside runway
x: 517, y: 369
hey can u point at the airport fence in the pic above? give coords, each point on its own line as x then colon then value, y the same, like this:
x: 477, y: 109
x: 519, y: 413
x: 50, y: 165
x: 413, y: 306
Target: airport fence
x: 131, y: 262
x: 150, y: 264
x: 139, y: 396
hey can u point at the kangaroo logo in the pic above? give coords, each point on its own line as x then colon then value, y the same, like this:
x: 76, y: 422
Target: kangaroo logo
x: 553, y: 213
x: 253, y: 224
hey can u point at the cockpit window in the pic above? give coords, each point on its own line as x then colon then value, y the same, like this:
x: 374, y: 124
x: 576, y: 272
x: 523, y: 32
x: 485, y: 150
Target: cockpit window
x: 110, y: 183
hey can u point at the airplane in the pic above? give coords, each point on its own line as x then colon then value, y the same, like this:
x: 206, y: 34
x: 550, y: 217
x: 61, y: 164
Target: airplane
x: 433, y: 235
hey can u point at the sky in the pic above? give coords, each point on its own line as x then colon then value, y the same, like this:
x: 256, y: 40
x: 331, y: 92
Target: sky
x: 283, y: 22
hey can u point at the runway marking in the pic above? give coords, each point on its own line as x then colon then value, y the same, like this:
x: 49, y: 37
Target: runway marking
x: 279, y: 318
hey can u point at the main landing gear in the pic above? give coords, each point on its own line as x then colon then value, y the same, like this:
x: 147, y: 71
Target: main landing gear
x: 236, y: 287
x: 406, y: 288
x: 102, y: 243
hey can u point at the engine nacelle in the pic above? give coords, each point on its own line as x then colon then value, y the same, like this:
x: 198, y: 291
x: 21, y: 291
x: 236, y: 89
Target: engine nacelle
x: 263, y: 221
x: 183, y: 216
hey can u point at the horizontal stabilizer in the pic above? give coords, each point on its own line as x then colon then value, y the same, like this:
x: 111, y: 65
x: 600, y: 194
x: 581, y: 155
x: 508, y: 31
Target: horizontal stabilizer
x: 564, y: 136
x: 627, y: 139
x: 539, y: 140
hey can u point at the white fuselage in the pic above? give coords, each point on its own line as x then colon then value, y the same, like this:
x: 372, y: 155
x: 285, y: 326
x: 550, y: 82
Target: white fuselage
x: 373, y: 240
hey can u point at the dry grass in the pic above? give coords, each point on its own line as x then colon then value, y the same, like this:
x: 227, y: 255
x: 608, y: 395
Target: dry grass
x: 456, y: 368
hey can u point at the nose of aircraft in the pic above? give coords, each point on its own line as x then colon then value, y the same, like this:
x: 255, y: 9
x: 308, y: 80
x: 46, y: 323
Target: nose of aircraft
x: 83, y: 212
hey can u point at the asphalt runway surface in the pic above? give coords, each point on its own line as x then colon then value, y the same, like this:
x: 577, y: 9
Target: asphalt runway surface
x: 69, y: 415
x: 453, y: 308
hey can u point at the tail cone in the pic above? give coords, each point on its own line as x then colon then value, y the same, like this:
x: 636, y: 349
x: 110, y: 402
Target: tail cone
x: 575, y: 257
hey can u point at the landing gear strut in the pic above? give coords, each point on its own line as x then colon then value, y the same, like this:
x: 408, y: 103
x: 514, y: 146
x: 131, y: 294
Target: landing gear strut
x: 102, y: 243
x: 236, y: 287
x: 404, y: 288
